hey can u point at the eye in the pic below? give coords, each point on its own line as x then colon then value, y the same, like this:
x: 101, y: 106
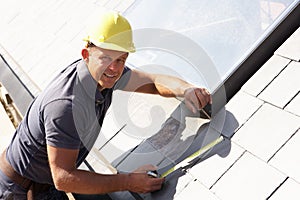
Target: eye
x: 106, y: 59
x: 120, y: 61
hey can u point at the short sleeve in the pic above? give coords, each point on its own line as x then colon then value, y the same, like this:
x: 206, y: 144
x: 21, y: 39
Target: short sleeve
x: 59, y: 125
x: 122, y: 82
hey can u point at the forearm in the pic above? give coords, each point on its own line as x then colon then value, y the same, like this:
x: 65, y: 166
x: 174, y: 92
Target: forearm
x: 86, y: 182
x: 164, y: 85
x: 195, y: 98
x: 169, y: 86
x: 69, y: 179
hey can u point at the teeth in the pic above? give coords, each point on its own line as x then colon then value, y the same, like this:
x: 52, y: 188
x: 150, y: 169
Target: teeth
x: 109, y: 76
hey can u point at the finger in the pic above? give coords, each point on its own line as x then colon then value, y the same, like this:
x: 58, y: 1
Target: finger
x: 152, y: 184
x: 151, y: 167
x: 210, y: 99
x: 157, y: 183
x: 191, y: 106
x: 148, y: 167
x: 208, y: 96
x: 204, y: 97
x: 195, y: 99
x: 156, y: 187
x: 145, y: 168
x: 200, y: 98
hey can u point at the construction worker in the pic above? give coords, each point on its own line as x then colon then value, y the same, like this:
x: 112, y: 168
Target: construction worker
x: 63, y: 122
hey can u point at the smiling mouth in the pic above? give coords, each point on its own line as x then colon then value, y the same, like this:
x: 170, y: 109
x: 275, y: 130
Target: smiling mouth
x: 109, y: 75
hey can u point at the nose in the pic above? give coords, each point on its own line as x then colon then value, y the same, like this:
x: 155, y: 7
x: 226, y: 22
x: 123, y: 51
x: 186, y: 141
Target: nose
x: 113, y: 65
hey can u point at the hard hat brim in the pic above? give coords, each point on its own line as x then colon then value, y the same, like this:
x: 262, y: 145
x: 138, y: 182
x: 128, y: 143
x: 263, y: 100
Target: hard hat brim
x: 111, y: 46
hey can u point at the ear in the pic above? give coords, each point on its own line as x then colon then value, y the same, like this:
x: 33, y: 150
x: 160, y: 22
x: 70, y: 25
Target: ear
x: 85, y: 54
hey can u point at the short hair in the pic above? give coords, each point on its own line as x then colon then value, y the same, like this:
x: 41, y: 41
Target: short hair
x: 89, y: 45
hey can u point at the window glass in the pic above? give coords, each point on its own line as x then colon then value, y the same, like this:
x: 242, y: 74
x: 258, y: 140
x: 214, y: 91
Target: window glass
x: 225, y: 30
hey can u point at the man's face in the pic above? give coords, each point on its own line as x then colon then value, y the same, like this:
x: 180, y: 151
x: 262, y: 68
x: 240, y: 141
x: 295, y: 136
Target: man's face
x: 105, y: 66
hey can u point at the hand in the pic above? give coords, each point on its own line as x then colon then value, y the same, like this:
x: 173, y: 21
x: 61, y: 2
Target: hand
x: 140, y: 182
x: 196, y: 98
x: 145, y: 168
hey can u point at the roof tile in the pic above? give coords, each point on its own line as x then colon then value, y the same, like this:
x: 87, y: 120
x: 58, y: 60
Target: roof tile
x: 291, y: 48
x: 264, y: 76
x: 294, y: 105
x: 284, y: 87
x: 208, y: 171
x: 287, y: 159
x: 196, y: 189
x: 289, y: 190
x: 237, y: 106
x: 250, y: 178
x: 266, y: 131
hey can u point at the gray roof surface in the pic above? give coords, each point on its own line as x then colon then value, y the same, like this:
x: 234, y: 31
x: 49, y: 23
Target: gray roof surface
x: 259, y: 160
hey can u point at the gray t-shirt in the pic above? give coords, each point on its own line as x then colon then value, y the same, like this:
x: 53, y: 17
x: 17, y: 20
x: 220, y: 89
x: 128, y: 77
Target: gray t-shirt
x: 67, y: 114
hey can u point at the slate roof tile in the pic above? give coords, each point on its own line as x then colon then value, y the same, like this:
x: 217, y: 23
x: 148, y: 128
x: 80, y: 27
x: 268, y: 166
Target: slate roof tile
x: 287, y: 159
x: 284, y: 87
x: 249, y: 178
x: 266, y: 131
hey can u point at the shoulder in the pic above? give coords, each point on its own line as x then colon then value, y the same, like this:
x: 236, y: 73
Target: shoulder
x: 122, y: 82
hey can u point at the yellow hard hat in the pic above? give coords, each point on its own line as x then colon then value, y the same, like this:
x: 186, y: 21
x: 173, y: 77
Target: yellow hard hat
x: 112, y: 31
